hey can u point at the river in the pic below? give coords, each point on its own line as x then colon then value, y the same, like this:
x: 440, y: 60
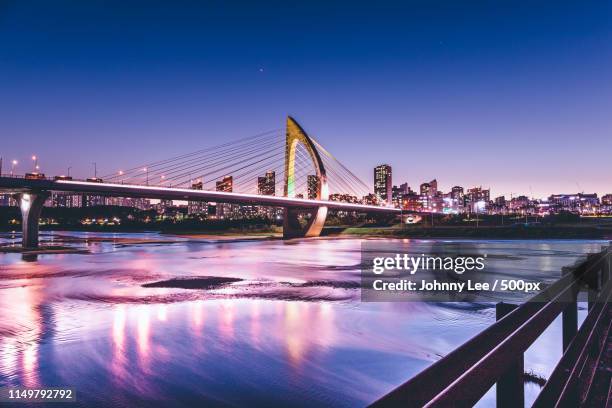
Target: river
x: 293, y: 331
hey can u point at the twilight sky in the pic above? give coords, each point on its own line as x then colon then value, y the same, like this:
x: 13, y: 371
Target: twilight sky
x: 511, y: 95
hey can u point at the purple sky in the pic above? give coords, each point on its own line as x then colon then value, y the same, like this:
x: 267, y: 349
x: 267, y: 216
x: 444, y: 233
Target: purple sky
x: 514, y: 96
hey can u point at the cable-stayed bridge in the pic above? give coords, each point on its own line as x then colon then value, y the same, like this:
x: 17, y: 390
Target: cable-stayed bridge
x: 286, y: 169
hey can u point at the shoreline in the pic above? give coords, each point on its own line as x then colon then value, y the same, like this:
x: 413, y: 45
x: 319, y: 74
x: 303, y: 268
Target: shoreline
x: 486, y: 232
x: 566, y: 232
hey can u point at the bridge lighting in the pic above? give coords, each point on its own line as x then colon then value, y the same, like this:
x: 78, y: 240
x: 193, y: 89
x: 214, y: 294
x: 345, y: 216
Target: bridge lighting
x: 26, y: 202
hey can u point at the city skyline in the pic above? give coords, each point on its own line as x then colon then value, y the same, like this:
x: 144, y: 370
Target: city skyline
x: 426, y: 198
x: 13, y: 168
x: 514, y: 99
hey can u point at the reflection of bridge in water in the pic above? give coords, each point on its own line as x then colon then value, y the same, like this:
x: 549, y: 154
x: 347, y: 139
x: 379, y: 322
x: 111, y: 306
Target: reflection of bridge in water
x: 229, y: 173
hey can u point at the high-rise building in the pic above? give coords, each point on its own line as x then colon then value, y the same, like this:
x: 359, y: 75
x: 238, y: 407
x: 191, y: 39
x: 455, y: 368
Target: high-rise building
x: 165, y: 208
x: 346, y: 198
x: 606, y: 204
x: 61, y: 199
x: 425, y: 189
x: 396, y: 196
x: 5, y: 200
x: 578, y: 203
x: 383, y: 183
x: 500, y: 201
x: 520, y: 204
x: 313, y: 183
x: 457, y: 197
x: 457, y: 193
x: 433, y: 187
x: 197, y: 207
x: 477, y: 200
x: 370, y: 199
x: 499, y: 205
x: 93, y: 200
x: 142, y: 203
x: 266, y: 185
x: 430, y: 199
x: 430, y: 189
x: 225, y: 184
x: 404, y: 188
x: 411, y: 201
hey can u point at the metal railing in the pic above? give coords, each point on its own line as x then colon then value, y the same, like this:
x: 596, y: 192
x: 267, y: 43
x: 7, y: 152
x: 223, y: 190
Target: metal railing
x: 495, y: 355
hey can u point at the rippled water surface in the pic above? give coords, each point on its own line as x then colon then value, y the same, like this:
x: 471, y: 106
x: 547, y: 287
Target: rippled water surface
x: 293, y: 331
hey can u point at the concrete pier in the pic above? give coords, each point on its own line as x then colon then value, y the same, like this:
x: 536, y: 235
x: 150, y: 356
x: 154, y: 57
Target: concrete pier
x: 30, y: 204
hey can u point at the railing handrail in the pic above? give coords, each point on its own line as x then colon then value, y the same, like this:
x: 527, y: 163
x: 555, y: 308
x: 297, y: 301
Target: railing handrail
x: 467, y: 373
x: 558, y: 390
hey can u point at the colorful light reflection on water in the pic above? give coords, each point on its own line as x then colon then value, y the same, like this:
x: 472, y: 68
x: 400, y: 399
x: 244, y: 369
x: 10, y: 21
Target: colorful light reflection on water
x: 84, y: 320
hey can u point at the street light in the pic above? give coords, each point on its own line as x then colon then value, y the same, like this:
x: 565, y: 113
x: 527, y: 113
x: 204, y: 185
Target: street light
x: 121, y: 174
x: 13, y: 164
x: 35, y: 159
x: 146, y: 170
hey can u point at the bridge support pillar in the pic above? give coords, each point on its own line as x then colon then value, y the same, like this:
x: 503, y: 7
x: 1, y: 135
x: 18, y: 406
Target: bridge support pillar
x: 30, y: 204
x: 293, y: 229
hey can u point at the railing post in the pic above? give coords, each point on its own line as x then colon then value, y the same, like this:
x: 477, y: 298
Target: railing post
x: 510, y: 386
x: 605, y: 269
x: 569, y: 317
x: 593, y: 285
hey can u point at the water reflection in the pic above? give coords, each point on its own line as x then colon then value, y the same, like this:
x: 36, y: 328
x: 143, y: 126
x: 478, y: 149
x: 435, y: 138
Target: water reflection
x: 143, y: 333
x: 28, y: 257
x: 27, y: 317
x: 83, y: 320
x: 197, y: 316
x: 118, y: 365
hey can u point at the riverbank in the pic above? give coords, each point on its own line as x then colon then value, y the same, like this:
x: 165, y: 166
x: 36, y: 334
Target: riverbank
x: 415, y: 232
x: 485, y: 232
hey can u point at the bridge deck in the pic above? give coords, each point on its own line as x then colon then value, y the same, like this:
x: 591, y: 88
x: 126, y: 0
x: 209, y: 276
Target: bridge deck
x: 168, y: 193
